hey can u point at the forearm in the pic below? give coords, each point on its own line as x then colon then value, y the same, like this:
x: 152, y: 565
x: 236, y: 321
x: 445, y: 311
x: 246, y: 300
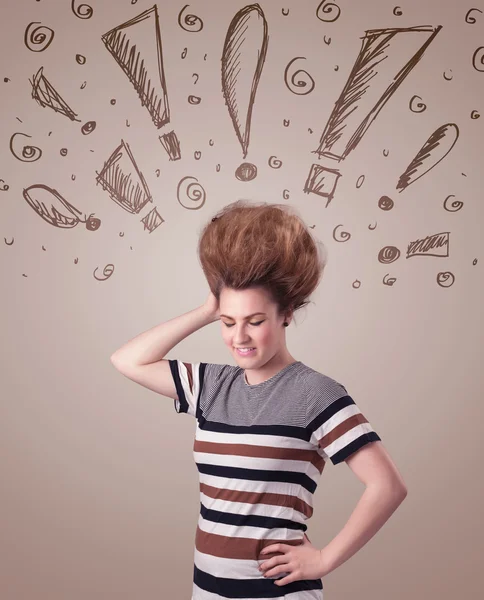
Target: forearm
x: 153, y: 345
x: 374, y: 508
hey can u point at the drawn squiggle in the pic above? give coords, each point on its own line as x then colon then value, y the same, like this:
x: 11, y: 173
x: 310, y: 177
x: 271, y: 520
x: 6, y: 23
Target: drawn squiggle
x: 456, y: 204
x: 78, y: 11
x: 469, y: 19
x: 420, y: 106
x: 28, y: 153
x: 344, y: 235
x: 192, y: 190
x: 40, y: 35
x: 107, y: 272
x: 328, y: 9
x: 297, y: 86
x: 190, y: 23
x: 478, y: 55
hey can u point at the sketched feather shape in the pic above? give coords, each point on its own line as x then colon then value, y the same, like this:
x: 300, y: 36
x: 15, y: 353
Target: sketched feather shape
x: 243, y: 58
x: 436, y: 148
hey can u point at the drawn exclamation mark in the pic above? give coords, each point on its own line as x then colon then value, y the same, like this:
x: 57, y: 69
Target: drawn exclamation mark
x: 243, y: 58
x: 386, y: 57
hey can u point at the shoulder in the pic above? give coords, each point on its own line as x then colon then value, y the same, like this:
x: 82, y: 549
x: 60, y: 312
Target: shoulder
x: 320, y: 386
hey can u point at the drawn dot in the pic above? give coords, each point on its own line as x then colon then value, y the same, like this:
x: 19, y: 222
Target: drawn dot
x: 80, y: 59
x: 63, y: 152
x: 113, y: 101
x: 194, y: 99
x: 474, y: 262
x: 6, y: 79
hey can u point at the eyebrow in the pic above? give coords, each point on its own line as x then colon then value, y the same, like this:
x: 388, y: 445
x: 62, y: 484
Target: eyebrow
x: 248, y: 316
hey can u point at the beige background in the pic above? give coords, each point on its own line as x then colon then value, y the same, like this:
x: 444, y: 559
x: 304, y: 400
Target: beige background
x: 99, y: 493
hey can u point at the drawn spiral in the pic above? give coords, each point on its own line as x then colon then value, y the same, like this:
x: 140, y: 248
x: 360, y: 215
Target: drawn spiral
x: 455, y: 205
x: 470, y: 19
x: 388, y: 254
x: 192, y: 190
x: 274, y: 162
x: 190, y: 23
x: 27, y: 153
x: 83, y: 11
x: 296, y: 85
x: 328, y: 9
x: 445, y: 279
x: 478, y: 56
x: 40, y: 36
x: 418, y: 107
x: 344, y: 235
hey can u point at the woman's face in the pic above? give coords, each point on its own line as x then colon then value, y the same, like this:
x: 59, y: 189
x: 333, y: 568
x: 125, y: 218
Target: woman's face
x: 249, y: 320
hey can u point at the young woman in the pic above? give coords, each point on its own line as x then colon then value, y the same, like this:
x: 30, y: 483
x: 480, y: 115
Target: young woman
x: 267, y: 427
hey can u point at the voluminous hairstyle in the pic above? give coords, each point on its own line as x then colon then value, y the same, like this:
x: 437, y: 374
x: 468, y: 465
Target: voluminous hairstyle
x: 257, y: 244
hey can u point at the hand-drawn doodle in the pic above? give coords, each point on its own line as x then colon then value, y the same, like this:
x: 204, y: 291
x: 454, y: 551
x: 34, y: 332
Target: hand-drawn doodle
x: 131, y: 45
x: 445, y: 279
x: 274, y: 162
x: 327, y: 41
x: 456, y: 205
x: 42, y: 36
x: 28, y: 153
x: 83, y: 11
x: 388, y: 254
x: 107, y: 272
x: 47, y: 96
x: 190, y: 23
x: 152, y: 220
x: 345, y: 235
x: 286, y: 122
x: 217, y: 168
x: 157, y: 172
x: 197, y: 154
x: 83, y: 85
x: 197, y: 78
x: 88, y: 127
x: 246, y: 172
x: 360, y: 181
x: 73, y: 177
x: 285, y: 194
x: 359, y: 102
x: 478, y: 56
x: 296, y: 85
x: 171, y: 145
x: 112, y: 101
x: 475, y: 114
x: 8, y: 243
x: 38, y: 197
x: 372, y: 227
x: 386, y: 152
x: 4, y: 187
x: 127, y: 123
x: 356, y: 284
x: 419, y: 107
x: 424, y: 247
x: 390, y: 281
x: 63, y: 152
x: 328, y: 9
x: 285, y: 11
x: 447, y: 78
x: 192, y: 190
x: 243, y: 58
x: 310, y: 130
x: 385, y: 203
x: 184, y: 53
x: 194, y: 99
x: 6, y: 80
x: 80, y: 59
x: 211, y: 142
x: 125, y: 183
x: 322, y: 181
x: 469, y: 19
x: 336, y: 67
x: 474, y: 262
x: 204, y: 57
x: 435, y: 149
x: 397, y: 11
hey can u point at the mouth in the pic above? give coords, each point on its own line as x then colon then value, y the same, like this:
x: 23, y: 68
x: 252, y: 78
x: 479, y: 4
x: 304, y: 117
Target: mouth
x: 247, y: 351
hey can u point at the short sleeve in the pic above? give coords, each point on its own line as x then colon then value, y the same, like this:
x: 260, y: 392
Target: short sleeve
x: 189, y: 380
x: 336, y: 423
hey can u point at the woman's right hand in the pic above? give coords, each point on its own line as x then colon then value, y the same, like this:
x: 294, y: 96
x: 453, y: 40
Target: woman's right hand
x: 211, y: 305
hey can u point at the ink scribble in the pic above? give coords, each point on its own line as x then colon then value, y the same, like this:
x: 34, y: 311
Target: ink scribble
x: 419, y: 106
x: 470, y: 19
x: 478, y: 56
x: 190, y: 23
x: 327, y: 8
x: 47, y: 96
x: 27, y: 153
x: 345, y: 235
x: 456, y: 204
x: 83, y: 11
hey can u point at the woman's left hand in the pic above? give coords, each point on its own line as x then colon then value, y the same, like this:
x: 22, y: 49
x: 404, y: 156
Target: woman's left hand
x: 300, y: 562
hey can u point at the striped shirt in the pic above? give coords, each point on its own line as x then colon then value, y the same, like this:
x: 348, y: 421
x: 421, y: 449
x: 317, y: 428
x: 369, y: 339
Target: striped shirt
x: 260, y: 451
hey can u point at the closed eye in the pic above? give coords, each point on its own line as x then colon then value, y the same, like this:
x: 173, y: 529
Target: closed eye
x: 231, y: 324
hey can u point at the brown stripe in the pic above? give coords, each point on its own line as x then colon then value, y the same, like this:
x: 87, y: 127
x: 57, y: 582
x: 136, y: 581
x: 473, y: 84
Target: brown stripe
x: 237, y: 547
x: 190, y: 376
x: 341, y: 429
x: 270, y: 498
